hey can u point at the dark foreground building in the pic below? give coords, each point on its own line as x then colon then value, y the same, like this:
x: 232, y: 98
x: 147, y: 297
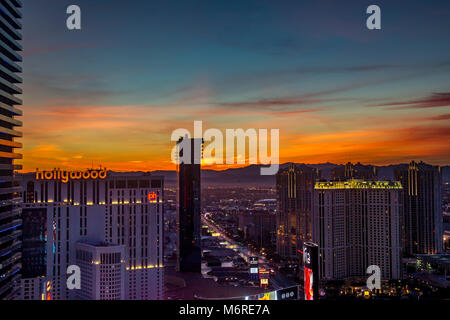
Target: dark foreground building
x: 10, y: 222
x: 34, y: 242
x: 188, y: 217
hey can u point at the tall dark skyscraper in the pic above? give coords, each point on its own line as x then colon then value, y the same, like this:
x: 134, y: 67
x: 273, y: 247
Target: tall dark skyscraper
x: 422, y: 216
x: 295, y: 186
x: 10, y: 221
x: 189, y: 204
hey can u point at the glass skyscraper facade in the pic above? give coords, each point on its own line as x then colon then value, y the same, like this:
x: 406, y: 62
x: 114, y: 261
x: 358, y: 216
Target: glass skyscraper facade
x: 34, y: 242
x: 10, y: 212
x: 189, y: 205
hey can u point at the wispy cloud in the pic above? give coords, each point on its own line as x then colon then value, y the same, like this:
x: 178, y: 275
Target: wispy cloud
x: 435, y: 100
x: 441, y: 117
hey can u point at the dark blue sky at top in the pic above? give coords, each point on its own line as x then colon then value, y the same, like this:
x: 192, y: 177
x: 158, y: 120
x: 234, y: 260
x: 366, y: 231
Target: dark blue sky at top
x: 152, y: 50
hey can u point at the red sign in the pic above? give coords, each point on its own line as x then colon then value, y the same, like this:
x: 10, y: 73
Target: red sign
x: 152, y: 197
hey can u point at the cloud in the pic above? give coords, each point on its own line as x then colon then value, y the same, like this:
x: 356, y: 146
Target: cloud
x: 269, y: 104
x: 435, y: 100
x: 46, y: 89
x: 441, y: 117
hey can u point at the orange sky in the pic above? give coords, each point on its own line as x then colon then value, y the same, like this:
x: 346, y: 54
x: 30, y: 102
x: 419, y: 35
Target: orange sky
x: 130, y: 138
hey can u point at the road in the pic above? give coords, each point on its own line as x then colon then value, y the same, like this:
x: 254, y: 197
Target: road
x: 277, y: 282
x: 245, y: 252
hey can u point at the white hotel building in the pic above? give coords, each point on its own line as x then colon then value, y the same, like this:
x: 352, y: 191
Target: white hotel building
x: 116, y: 209
x: 103, y: 269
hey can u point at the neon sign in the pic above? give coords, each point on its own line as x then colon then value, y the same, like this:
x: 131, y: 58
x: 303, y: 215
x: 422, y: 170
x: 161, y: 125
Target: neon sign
x: 152, y: 197
x: 65, y: 176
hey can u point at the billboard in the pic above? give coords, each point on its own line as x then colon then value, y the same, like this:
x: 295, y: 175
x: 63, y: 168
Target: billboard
x: 264, y: 282
x: 254, y: 270
x: 288, y: 293
x: 253, y: 261
x: 264, y: 273
x: 267, y: 296
x: 311, y: 266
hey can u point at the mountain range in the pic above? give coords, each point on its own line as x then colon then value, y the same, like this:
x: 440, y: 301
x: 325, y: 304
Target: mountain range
x: 250, y: 175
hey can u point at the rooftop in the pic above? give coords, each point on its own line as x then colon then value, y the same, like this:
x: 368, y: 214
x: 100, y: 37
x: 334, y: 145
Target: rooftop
x: 358, y: 184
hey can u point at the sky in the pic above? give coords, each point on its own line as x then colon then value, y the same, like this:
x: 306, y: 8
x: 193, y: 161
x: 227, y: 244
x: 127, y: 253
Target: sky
x: 112, y: 93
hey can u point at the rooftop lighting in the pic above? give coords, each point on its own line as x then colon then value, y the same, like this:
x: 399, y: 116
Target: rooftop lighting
x: 358, y: 184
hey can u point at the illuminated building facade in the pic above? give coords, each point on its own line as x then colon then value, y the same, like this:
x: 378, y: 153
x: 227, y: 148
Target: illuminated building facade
x: 103, y: 268
x: 32, y: 288
x: 189, y: 206
x: 10, y: 222
x: 446, y: 193
x: 446, y: 241
x: 422, y: 215
x: 294, y: 196
x: 356, y: 224
x: 122, y: 209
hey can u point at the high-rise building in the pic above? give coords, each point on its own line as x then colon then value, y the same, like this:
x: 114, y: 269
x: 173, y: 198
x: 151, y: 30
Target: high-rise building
x: 422, y: 214
x: 34, y: 242
x: 189, y: 205
x: 258, y: 227
x: 103, y: 268
x: 95, y: 206
x: 10, y: 222
x: 34, y: 253
x: 446, y: 193
x: 356, y: 224
x: 295, y: 186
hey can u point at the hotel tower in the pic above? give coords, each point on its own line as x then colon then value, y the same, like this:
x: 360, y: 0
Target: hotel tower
x: 109, y: 224
x: 356, y: 224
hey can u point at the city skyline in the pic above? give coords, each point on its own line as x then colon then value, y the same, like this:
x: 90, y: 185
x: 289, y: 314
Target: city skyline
x: 106, y: 195
x: 112, y: 93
